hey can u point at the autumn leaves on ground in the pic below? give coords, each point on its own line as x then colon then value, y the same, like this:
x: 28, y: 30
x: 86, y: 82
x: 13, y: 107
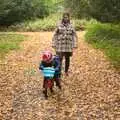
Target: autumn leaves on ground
x: 90, y: 92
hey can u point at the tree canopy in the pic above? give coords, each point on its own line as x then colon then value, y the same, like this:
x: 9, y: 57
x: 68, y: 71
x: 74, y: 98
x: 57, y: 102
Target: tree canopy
x: 102, y: 10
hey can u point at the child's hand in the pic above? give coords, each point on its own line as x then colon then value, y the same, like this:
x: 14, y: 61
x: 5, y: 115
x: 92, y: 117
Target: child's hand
x: 56, y: 69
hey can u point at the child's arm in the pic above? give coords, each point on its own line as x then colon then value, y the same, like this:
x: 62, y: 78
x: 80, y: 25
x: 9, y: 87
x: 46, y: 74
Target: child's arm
x: 57, y: 65
x: 41, y: 67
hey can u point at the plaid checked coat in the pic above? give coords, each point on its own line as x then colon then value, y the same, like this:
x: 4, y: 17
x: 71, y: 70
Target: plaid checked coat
x: 65, y: 38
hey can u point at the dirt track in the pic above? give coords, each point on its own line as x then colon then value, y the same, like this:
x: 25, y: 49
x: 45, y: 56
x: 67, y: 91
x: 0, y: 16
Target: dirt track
x: 90, y: 92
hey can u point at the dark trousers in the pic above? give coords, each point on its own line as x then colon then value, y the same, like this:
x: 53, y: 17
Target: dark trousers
x: 67, y: 56
x: 57, y: 79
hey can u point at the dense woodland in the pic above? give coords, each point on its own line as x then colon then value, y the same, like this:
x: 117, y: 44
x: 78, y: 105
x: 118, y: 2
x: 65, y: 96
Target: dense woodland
x: 12, y: 11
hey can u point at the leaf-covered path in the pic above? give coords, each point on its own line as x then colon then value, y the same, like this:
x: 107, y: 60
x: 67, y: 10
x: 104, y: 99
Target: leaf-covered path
x: 90, y: 92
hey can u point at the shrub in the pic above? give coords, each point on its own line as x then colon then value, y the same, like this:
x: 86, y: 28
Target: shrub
x: 106, y: 37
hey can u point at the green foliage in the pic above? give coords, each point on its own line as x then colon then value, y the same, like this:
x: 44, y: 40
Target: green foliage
x: 106, y: 37
x: 12, y: 11
x: 105, y: 10
x: 81, y: 24
x: 17, y: 10
x: 102, y: 10
x: 78, y: 8
x: 47, y: 24
x: 9, y: 41
x: 55, y: 5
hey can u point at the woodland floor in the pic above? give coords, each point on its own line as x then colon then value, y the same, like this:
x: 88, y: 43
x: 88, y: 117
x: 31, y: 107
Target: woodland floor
x: 90, y: 92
